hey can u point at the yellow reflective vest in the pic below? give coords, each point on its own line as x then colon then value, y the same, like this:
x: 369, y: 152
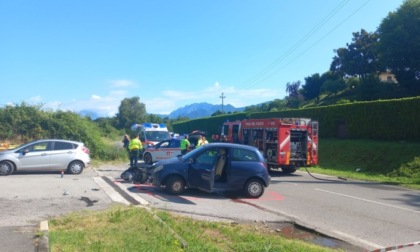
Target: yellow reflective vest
x: 135, y: 144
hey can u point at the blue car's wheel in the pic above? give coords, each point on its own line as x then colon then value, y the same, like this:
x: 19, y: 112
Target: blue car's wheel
x: 175, y: 185
x: 254, y: 188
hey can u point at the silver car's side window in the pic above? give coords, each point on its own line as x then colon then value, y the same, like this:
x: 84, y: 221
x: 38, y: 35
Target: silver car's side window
x: 63, y: 146
x: 42, y: 146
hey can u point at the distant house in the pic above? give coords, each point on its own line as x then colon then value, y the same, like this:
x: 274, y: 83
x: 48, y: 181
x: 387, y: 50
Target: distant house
x: 387, y: 77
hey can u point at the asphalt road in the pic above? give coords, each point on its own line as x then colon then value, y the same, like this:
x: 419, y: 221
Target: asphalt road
x: 28, y: 198
x: 367, y: 215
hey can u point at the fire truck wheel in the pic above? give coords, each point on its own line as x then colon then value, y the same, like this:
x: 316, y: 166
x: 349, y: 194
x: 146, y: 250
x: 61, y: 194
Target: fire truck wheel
x: 254, y: 188
x: 288, y: 170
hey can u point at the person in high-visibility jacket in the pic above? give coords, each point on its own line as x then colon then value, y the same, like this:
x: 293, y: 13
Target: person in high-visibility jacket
x: 135, y: 147
x: 185, y: 145
x: 202, y: 141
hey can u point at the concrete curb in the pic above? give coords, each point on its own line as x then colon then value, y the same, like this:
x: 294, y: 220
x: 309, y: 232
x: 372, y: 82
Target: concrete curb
x: 43, y: 243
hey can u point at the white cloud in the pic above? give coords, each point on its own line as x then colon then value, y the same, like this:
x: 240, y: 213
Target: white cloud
x: 35, y: 99
x: 106, y: 105
x: 161, y: 105
x: 54, y: 105
x: 180, y: 95
x: 118, y: 93
x: 174, y: 99
x: 167, y: 100
x: 216, y: 87
x: 122, y: 83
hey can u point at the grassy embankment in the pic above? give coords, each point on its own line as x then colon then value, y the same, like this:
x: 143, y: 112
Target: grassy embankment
x: 135, y: 229
x: 385, y: 162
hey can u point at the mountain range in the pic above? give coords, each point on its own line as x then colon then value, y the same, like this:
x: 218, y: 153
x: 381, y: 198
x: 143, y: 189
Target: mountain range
x: 192, y: 111
x: 198, y: 110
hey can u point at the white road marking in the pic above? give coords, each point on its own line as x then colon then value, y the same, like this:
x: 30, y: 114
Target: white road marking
x: 358, y: 240
x: 98, y: 172
x: 134, y: 195
x: 114, y: 195
x: 295, y: 184
x: 370, y: 201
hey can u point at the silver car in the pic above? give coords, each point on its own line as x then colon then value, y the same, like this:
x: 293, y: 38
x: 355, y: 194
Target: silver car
x: 46, y: 155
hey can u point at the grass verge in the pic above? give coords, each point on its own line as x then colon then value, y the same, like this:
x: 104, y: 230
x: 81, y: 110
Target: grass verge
x: 135, y: 229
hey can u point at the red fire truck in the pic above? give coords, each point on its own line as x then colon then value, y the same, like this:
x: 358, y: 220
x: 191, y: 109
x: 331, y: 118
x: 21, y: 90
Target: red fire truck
x: 286, y: 143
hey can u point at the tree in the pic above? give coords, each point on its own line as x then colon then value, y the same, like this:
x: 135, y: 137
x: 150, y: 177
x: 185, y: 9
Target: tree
x: 130, y: 111
x: 295, y: 98
x: 359, y: 58
x: 369, y: 89
x: 332, y: 82
x: 333, y: 86
x: 154, y: 118
x: 252, y: 109
x: 312, y: 87
x: 276, y: 105
x: 218, y: 112
x: 399, y: 43
x: 293, y: 89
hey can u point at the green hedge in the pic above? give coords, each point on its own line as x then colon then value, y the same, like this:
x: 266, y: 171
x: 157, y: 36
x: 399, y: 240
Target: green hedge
x: 394, y: 120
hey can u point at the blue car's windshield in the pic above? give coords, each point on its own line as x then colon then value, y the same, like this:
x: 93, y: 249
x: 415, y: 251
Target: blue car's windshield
x: 190, y: 154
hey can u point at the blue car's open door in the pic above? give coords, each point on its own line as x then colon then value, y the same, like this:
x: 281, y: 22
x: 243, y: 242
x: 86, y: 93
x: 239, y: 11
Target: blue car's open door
x: 201, y: 171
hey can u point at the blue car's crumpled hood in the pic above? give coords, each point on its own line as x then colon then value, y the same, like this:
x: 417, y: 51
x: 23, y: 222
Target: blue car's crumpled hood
x: 174, y: 163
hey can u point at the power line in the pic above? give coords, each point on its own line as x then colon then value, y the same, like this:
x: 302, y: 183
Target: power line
x: 319, y: 40
x: 260, y: 76
x: 298, y: 43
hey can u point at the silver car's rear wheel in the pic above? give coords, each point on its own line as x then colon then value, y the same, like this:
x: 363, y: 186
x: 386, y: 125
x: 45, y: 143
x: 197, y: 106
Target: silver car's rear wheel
x: 75, y: 167
x: 6, y: 168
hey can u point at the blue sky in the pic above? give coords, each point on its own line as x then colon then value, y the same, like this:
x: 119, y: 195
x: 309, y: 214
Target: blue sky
x: 91, y: 54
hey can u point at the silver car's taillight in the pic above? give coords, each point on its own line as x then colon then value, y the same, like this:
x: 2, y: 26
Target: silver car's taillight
x: 85, y: 150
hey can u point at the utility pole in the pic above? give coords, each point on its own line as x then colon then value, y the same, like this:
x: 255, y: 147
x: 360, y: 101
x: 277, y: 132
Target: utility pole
x: 222, y: 97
